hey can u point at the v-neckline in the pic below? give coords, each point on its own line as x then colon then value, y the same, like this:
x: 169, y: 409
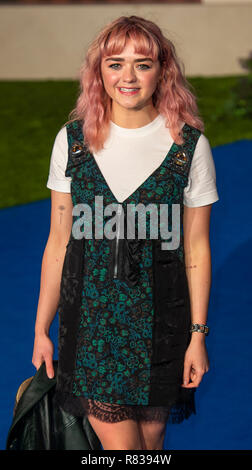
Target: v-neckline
x: 144, y: 182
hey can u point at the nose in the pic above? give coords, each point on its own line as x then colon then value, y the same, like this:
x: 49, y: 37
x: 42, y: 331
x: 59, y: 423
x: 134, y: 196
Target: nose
x: 129, y: 74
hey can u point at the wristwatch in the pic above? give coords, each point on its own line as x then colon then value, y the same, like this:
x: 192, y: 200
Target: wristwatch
x: 200, y: 328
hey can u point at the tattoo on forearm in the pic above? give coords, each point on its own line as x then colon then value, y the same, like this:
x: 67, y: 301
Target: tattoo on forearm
x: 191, y: 266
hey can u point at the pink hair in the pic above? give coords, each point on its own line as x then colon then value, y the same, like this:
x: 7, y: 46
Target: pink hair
x: 172, y: 97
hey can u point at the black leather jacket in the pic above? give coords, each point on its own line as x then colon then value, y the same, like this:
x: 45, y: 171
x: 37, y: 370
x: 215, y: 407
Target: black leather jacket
x: 40, y: 424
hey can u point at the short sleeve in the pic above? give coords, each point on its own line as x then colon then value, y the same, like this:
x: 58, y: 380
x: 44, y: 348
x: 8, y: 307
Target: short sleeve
x: 201, y: 189
x: 57, y: 179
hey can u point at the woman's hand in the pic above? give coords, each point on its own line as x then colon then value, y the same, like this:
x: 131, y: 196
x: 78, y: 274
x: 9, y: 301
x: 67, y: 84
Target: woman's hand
x: 196, y: 361
x: 43, y: 352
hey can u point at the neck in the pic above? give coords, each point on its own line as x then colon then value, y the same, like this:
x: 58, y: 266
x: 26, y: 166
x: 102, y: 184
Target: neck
x: 132, y: 119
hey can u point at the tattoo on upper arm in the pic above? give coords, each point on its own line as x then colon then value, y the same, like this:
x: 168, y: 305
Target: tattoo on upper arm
x: 61, y: 208
x: 191, y: 266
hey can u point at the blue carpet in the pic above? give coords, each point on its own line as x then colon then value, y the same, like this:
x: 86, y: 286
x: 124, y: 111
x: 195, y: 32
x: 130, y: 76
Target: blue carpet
x: 223, y: 399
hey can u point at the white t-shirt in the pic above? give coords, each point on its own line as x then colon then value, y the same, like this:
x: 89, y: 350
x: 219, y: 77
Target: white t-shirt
x: 130, y: 156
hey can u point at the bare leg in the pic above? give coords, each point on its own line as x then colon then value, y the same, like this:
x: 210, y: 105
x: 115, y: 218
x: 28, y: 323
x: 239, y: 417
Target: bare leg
x: 123, y: 435
x: 152, y: 434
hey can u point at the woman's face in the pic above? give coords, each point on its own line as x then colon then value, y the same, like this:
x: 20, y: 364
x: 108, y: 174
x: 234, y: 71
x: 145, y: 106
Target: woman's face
x: 131, y: 71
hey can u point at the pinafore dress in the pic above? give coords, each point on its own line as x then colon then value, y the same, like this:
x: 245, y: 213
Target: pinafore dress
x: 124, y: 308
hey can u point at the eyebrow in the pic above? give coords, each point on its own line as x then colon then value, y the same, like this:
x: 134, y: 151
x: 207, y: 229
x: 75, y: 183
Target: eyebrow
x: 120, y: 59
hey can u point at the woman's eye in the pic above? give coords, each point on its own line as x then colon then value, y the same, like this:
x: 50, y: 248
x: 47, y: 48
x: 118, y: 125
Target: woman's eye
x: 140, y: 65
x: 113, y: 66
x: 144, y: 65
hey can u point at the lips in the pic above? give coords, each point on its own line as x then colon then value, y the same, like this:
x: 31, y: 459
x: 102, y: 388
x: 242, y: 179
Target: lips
x: 128, y: 88
x: 128, y: 92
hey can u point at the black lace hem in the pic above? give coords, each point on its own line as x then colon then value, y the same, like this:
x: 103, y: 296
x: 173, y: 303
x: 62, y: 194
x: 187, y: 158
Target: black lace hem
x: 111, y: 413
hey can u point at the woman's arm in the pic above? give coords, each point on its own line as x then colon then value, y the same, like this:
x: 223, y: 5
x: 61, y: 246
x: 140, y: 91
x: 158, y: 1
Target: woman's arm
x: 196, y: 226
x: 51, y: 271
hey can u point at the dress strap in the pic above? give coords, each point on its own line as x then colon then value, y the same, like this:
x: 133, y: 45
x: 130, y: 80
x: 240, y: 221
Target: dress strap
x: 182, y: 155
x: 76, y: 146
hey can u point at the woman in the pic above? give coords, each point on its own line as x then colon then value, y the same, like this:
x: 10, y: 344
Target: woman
x: 128, y: 357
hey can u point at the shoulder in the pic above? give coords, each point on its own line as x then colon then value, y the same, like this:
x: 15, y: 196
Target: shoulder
x: 57, y: 179
x: 70, y: 129
x: 60, y: 148
x: 201, y: 189
x: 61, y: 137
x: 203, y: 142
x: 203, y: 152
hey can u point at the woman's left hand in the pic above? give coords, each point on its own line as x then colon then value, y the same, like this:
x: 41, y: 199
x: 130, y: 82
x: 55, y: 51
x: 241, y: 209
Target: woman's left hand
x: 196, y: 362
